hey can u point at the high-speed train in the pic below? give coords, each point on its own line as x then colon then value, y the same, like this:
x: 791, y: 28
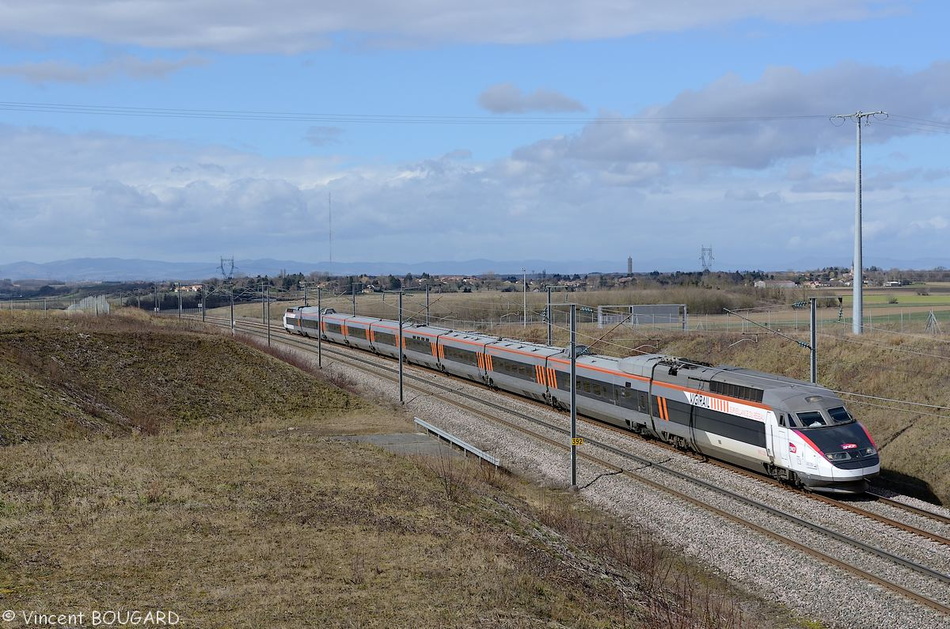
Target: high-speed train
x: 794, y: 431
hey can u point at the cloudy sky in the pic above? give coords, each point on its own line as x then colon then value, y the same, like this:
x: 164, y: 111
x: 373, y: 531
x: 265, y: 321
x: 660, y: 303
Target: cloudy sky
x: 413, y: 131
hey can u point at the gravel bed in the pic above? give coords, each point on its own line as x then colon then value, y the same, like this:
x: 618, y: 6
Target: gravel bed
x: 920, y: 521
x: 765, y: 567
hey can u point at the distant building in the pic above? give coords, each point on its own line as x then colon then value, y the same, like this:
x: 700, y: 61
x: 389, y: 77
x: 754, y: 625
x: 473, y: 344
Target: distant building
x: 629, y: 265
x: 775, y: 284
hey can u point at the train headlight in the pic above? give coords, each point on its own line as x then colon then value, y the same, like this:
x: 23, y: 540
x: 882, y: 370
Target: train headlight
x: 838, y: 456
x: 869, y: 451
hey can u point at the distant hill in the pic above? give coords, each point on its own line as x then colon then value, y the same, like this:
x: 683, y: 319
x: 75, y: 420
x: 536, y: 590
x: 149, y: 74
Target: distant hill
x: 123, y: 270
x: 119, y: 269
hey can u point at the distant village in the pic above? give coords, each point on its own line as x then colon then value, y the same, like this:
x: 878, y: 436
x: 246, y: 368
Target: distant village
x: 287, y: 284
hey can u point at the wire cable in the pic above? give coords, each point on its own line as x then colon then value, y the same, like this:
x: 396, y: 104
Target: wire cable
x: 353, y: 118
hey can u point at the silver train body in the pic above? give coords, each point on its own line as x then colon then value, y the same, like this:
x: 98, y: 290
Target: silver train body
x: 792, y: 430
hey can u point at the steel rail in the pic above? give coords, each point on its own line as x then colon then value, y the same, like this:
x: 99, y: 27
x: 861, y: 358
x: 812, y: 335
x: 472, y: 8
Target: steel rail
x: 646, y: 463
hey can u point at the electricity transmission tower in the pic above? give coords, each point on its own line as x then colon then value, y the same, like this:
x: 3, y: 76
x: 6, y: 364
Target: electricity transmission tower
x: 706, y: 258
x: 227, y: 268
x: 227, y: 271
x: 857, y: 317
x: 933, y: 326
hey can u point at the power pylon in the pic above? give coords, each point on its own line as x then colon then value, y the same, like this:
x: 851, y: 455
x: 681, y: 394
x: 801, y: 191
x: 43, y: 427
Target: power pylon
x: 706, y: 258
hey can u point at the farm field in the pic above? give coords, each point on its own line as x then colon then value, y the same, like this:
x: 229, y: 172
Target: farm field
x: 890, y: 309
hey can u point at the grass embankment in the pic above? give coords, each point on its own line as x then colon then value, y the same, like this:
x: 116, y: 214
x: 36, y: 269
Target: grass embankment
x: 154, y: 469
x: 78, y: 376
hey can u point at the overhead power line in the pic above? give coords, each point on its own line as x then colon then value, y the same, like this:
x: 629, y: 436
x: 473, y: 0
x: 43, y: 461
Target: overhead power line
x: 898, y: 121
x: 283, y: 116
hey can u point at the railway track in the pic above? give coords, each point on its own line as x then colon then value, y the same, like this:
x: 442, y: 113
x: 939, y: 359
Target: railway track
x: 938, y: 524
x: 923, y: 579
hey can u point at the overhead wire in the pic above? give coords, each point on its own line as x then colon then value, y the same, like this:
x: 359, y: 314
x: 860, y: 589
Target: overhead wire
x: 905, y: 402
x: 903, y: 406
x: 354, y: 118
x: 917, y: 124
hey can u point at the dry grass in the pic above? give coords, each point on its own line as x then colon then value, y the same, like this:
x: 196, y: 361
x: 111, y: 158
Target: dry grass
x: 237, y: 516
x: 72, y: 376
x: 293, y: 529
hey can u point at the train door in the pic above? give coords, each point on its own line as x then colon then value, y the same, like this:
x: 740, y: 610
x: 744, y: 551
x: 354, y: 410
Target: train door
x: 778, y: 446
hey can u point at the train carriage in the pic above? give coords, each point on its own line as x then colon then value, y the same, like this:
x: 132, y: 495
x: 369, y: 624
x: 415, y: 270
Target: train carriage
x: 301, y: 320
x: 603, y: 391
x: 519, y: 367
x: 421, y: 345
x: 792, y: 430
x: 463, y: 354
x: 356, y: 330
x: 384, y: 335
x: 333, y: 327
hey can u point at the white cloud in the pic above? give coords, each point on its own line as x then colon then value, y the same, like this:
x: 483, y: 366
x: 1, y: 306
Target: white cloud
x: 322, y: 136
x: 732, y: 123
x: 768, y: 190
x: 115, y: 67
x: 506, y: 98
x: 292, y: 26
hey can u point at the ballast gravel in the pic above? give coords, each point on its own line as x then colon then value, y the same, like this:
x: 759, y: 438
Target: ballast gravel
x: 771, y: 569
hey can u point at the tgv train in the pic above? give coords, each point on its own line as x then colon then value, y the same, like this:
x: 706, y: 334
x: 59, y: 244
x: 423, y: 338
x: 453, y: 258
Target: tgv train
x: 792, y: 430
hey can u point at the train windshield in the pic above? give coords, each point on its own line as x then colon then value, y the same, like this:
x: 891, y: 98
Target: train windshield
x: 811, y: 419
x: 840, y: 415
x: 817, y: 419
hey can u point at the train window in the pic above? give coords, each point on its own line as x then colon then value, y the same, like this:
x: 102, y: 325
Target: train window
x: 811, y: 419
x: 457, y: 355
x: 416, y: 344
x: 840, y: 415
x: 781, y: 420
x: 513, y: 368
x: 385, y: 338
x: 736, y: 390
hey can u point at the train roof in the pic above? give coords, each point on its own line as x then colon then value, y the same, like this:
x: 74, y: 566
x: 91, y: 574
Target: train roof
x: 748, y: 381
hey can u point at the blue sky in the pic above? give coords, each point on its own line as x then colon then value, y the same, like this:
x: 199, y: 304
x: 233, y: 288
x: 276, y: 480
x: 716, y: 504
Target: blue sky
x: 559, y: 131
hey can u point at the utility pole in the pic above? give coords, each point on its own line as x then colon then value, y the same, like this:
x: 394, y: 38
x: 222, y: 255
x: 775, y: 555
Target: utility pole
x: 427, y: 302
x: 814, y: 340
x: 525, y: 293
x: 399, y: 340
x: 575, y: 440
x: 550, y: 313
x: 319, y: 329
x: 227, y: 270
x: 857, y: 317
